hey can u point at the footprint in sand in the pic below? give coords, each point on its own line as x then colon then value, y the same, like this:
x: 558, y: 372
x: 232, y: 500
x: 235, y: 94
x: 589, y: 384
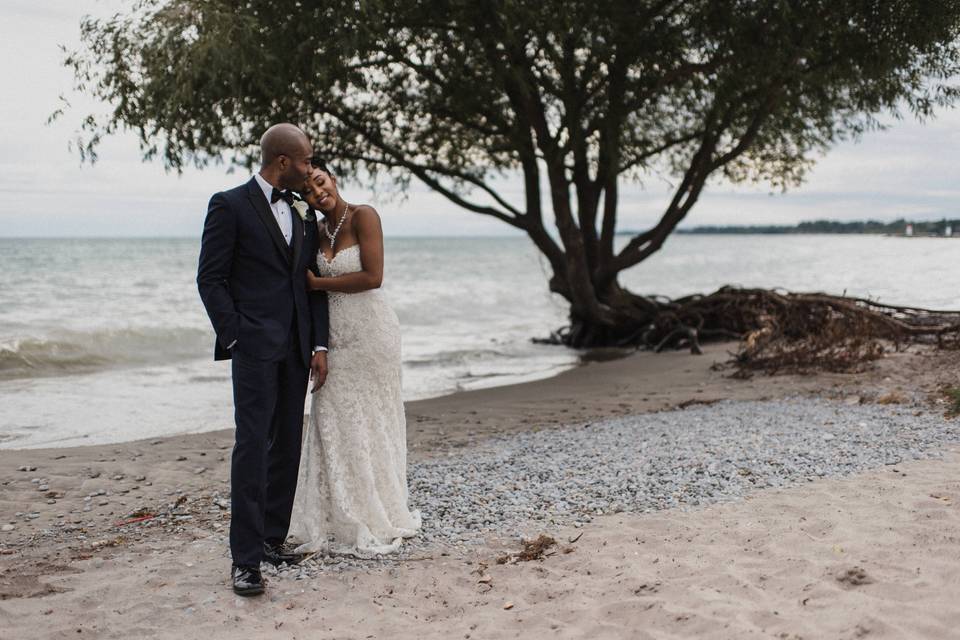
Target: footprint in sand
x: 854, y: 577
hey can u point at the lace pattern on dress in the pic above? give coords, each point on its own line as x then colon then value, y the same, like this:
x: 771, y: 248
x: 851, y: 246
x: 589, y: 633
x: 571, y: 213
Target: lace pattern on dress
x: 352, y: 487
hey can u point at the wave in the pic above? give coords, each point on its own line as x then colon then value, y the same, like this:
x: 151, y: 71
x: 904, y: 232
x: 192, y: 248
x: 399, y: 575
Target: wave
x: 454, y: 357
x: 73, y: 352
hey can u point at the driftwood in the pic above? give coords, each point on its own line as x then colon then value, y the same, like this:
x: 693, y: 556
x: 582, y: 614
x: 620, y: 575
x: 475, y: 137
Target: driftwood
x: 800, y: 332
x: 783, y: 332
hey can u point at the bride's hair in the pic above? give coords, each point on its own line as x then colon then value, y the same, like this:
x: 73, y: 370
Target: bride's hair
x: 320, y: 163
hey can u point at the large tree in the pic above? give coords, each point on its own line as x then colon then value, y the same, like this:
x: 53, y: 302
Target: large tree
x: 574, y: 97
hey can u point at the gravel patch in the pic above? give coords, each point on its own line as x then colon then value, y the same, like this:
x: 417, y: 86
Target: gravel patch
x: 526, y: 483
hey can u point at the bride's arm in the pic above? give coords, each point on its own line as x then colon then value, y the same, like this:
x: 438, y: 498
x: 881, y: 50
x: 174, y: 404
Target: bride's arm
x: 366, y: 226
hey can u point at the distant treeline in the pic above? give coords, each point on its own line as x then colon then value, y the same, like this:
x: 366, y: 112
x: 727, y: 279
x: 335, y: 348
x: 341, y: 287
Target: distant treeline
x: 897, y: 227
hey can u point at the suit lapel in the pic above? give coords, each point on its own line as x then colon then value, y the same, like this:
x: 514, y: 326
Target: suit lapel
x: 255, y: 194
x: 298, y: 231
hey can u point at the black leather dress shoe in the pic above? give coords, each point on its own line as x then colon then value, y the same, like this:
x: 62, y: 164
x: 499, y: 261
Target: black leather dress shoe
x: 247, y: 581
x: 276, y: 555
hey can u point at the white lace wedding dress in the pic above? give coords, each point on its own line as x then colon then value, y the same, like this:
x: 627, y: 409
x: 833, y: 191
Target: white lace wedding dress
x: 352, y: 489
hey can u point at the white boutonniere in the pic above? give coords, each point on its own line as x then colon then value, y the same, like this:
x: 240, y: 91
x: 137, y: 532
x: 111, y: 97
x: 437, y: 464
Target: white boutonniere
x: 303, y: 209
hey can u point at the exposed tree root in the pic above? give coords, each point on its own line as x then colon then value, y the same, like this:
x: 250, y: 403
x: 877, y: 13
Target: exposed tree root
x: 779, y: 331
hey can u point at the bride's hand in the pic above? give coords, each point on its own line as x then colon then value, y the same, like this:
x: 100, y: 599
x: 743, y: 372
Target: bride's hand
x: 313, y: 282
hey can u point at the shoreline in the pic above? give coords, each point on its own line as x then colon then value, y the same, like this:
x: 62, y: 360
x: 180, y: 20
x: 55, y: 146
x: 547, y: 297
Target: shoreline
x: 552, y: 399
x: 608, y: 383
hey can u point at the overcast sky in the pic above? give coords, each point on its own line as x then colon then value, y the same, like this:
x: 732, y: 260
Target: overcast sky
x: 908, y: 171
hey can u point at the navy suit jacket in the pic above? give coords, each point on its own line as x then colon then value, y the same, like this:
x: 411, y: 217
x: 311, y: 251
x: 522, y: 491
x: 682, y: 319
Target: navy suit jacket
x: 253, y: 284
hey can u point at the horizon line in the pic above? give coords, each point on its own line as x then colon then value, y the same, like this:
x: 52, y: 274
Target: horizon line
x: 197, y: 237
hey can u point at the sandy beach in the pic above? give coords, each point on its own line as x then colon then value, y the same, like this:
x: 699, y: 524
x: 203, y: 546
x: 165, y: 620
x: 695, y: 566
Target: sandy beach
x: 86, y: 553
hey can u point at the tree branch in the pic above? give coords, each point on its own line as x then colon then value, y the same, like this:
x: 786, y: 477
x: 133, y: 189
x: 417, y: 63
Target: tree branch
x: 424, y: 176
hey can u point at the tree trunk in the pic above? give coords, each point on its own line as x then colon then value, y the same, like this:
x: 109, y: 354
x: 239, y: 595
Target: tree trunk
x: 627, y: 320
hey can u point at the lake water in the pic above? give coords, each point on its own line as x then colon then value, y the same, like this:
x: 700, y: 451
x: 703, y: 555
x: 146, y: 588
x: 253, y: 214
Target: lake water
x: 106, y: 340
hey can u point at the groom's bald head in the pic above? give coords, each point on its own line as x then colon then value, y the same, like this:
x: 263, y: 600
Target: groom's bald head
x: 282, y: 139
x: 285, y: 153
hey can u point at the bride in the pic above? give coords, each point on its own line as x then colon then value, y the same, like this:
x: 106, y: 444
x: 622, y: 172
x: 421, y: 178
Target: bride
x: 352, y: 487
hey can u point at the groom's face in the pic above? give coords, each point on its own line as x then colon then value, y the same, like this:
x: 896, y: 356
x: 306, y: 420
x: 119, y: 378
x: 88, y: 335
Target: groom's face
x: 297, y: 167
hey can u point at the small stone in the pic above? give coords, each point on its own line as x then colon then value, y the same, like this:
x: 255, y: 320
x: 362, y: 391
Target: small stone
x: 51, y: 501
x: 27, y: 467
x: 43, y: 487
x: 508, y: 606
x: 8, y: 527
x: 140, y: 478
x: 103, y: 503
x: 119, y: 476
x: 199, y: 470
x: 181, y: 458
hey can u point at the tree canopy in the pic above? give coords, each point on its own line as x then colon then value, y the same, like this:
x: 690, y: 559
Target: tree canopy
x: 574, y: 97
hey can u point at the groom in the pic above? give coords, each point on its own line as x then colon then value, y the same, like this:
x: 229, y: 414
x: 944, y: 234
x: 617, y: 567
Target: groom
x: 254, y: 256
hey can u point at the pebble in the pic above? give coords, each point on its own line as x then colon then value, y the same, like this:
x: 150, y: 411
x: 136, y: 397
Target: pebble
x: 26, y: 467
x: 43, y: 487
x: 8, y: 527
x: 519, y: 484
x: 199, y: 470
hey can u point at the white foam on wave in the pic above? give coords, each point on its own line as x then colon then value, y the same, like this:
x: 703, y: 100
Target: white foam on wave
x: 70, y: 351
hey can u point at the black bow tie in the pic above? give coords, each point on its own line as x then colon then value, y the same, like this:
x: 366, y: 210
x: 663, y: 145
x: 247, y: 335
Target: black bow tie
x: 285, y: 195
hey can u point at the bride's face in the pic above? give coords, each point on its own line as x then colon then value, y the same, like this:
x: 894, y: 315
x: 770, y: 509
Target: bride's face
x: 320, y: 190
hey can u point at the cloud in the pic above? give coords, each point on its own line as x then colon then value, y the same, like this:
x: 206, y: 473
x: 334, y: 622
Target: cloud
x: 908, y: 170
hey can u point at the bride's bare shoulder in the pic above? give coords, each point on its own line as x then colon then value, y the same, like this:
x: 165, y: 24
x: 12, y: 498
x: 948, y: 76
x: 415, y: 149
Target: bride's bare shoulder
x: 364, y: 210
x: 365, y: 214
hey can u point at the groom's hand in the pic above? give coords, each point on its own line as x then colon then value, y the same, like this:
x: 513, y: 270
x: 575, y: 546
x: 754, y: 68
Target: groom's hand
x: 318, y: 370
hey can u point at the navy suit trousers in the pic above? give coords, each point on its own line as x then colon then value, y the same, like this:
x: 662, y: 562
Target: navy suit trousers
x: 268, y: 397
